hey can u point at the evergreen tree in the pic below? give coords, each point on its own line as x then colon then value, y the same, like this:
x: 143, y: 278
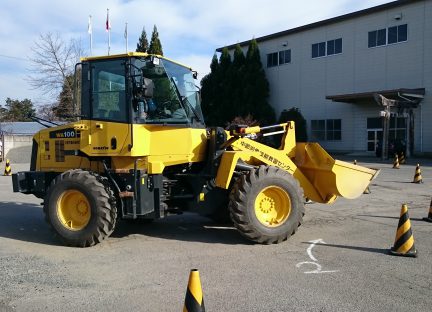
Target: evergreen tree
x: 155, y: 44
x: 256, y: 90
x: 239, y: 58
x: 214, y: 66
x: 225, y: 61
x: 236, y: 89
x: 209, y: 93
x: 237, y: 82
x: 64, y: 108
x: 294, y: 114
x: 224, y: 92
x: 142, y: 45
x: 16, y: 110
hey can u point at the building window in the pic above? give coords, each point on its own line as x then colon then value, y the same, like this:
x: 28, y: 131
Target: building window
x: 278, y: 58
x: 334, y: 130
x: 330, y: 47
x: 272, y: 59
x: 318, y: 49
x: 334, y: 46
x: 397, y: 34
x: 377, y: 38
x: 318, y: 130
x: 330, y: 129
x: 382, y: 37
x: 284, y: 57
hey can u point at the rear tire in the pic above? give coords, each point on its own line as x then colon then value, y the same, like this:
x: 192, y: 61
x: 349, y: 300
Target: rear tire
x: 266, y: 205
x: 81, y: 208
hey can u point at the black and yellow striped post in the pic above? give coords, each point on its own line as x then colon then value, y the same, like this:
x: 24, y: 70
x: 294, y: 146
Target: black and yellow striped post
x: 402, y: 160
x: 429, y: 217
x: 417, y: 175
x: 194, y: 300
x: 396, y: 162
x: 404, y: 242
x: 8, y: 169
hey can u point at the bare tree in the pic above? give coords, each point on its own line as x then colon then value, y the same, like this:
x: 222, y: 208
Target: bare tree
x: 46, y: 111
x: 52, y: 66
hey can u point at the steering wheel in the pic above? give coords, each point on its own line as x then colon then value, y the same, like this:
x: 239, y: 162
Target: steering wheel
x: 162, y: 111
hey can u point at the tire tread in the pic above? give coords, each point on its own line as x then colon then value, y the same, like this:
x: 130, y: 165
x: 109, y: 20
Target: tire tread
x: 240, y: 194
x: 104, y: 198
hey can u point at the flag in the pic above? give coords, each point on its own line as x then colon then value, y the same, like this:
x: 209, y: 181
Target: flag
x: 89, y: 27
x: 108, y: 22
x: 125, y: 32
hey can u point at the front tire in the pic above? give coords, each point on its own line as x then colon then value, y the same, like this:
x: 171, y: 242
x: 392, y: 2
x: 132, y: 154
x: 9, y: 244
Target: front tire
x: 266, y: 205
x: 81, y: 208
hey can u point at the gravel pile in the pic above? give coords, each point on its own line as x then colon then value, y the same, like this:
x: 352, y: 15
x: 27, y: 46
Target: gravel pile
x: 19, y: 155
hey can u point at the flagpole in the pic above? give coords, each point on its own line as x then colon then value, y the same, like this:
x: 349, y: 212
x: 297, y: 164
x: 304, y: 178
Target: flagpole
x: 126, y: 37
x: 108, y: 28
x: 90, y: 32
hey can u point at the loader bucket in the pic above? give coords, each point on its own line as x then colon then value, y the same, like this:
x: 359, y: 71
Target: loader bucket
x: 330, y: 177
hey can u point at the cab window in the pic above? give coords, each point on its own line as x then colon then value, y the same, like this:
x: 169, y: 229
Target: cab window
x: 108, y: 91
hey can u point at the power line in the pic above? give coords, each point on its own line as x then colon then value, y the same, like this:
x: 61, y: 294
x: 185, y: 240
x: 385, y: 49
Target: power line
x: 15, y: 57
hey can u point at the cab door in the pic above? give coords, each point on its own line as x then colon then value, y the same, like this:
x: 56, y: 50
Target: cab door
x: 109, y: 125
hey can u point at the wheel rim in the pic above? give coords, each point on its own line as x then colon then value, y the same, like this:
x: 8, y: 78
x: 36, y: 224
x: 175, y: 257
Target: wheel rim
x: 73, y: 210
x: 272, y: 206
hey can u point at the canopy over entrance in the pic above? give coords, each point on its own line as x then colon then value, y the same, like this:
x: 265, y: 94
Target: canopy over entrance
x: 400, y: 101
x: 413, y: 96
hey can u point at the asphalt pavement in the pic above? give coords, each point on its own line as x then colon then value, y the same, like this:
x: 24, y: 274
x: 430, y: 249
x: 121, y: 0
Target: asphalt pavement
x: 337, y: 261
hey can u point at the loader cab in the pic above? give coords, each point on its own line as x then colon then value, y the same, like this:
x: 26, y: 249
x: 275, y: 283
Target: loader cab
x: 140, y: 89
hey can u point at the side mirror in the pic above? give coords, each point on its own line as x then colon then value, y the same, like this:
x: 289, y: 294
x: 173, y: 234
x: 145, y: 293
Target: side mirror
x: 155, y: 60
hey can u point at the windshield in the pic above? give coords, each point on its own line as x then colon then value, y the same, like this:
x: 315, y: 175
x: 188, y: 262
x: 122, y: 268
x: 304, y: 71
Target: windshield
x: 170, y: 94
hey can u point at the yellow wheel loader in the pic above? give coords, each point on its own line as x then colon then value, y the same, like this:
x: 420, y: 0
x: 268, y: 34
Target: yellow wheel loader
x: 140, y: 150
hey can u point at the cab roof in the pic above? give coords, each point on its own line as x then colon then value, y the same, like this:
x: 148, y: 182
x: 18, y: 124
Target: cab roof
x: 129, y: 54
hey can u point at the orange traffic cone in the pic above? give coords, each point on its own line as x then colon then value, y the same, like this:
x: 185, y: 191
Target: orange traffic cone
x: 194, y: 300
x: 8, y: 169
x: 404, y: 241
x: 355, y: 161
x: 417, y: 175
x: 396, y: 162
x: 429, y: 217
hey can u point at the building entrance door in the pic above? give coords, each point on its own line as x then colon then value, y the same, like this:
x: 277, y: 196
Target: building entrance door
x: 374, y: 136
x: 397, y: 135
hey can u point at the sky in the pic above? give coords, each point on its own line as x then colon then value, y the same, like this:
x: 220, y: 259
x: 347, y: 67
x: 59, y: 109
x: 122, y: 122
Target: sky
x: 190, y: 30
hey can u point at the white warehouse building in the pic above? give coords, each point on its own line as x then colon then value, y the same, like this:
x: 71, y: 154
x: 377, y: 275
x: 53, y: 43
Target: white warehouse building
x: 333, y: 70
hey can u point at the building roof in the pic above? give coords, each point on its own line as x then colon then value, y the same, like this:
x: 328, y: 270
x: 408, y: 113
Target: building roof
x: 326, y: 22
x: 20, y: 128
